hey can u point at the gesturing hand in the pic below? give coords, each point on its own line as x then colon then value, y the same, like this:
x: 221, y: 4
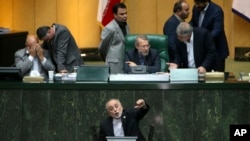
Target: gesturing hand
x: 139, y: 103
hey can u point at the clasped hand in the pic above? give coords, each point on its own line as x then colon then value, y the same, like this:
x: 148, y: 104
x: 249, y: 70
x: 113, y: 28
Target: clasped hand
x: 36, y: 50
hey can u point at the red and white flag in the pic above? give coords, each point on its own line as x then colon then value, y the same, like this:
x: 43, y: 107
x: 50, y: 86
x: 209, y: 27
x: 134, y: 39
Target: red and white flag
x: 241, y: 8
x: 104, y: 13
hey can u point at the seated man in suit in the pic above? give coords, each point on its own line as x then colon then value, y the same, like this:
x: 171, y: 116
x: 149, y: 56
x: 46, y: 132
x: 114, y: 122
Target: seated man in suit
x: 196, y: 49
x: 142, y: 54
x: 123, y: 122
x: 33, y: 60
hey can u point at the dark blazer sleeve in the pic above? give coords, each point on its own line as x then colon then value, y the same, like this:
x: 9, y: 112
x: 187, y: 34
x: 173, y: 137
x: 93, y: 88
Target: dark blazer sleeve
x: 204, y: 48
x: 105, y: 129
x: 128, y: 57
x: 153, y: 61
x: 170, y: 30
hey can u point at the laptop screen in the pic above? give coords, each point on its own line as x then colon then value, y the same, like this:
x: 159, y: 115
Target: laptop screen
x: 130, y: 138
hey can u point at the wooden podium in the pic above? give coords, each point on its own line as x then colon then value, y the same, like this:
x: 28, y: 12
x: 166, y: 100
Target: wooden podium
x: 10, y: 42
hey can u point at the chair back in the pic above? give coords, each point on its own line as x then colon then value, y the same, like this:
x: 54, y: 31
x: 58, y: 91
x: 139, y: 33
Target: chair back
x: 151, y: 132
x: 156, y: 41
x: 94, y: 133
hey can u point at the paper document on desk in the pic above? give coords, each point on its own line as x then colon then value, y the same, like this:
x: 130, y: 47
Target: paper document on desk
x: 183, y: 75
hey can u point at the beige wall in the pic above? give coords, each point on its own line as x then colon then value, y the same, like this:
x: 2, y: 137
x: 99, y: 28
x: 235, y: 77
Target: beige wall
x: 145, y: 16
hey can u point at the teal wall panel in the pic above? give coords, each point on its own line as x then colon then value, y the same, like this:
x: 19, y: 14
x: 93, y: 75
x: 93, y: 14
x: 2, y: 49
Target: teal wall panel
x: 178, y: 115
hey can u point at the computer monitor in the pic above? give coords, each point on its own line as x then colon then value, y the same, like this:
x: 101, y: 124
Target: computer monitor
x: 127, y: 138
x: 10, y: 74
x: 93, y: 73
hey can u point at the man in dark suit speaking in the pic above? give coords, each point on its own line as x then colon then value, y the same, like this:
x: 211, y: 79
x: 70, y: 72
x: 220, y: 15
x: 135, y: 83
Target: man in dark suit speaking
x: 142, y: 54
x: 195, y: 50
x: 123, y: 122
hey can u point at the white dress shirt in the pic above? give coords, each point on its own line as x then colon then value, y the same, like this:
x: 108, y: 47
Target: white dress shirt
x: 117, y: 126
x: 202, y: 15
x: 190, y: 52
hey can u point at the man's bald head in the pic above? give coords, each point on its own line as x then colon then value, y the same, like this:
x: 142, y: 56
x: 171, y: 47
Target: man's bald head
x: 31, y: 40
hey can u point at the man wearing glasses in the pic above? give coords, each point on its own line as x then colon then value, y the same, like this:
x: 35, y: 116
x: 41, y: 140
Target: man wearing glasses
x: 143, y: 55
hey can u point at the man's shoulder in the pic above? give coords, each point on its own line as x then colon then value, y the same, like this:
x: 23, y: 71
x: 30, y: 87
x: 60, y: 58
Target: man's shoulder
x: 20, y: 51
x: 213, y: 7
x: 111, y: 25
x: 154, y: 51
x: 132, y: 50
x: 172, y: 19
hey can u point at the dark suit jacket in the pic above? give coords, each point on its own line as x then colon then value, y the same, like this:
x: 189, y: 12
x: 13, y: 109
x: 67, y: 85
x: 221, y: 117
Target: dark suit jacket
x: 214, y: 23
x: 169, y: 29
x: 204, y: 50
x: 152, y: 61
x: 22, y: 61
x: 130, y: 123
x: 64, y: 51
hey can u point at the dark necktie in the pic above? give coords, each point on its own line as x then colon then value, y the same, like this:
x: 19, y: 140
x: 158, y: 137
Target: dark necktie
x: 142, y: 60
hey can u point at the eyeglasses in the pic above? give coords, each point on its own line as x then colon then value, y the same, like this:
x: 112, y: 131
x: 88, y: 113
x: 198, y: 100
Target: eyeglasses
x: 145, y: 46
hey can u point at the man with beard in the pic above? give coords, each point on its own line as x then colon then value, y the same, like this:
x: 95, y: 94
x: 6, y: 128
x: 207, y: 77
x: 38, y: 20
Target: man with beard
x: 181, y: 12
x: 142, y: 54
x: 210, y: 16
x: 123, y: 122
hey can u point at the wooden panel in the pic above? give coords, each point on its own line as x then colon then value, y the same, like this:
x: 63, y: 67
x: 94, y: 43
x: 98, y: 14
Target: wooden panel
x: 23, y: 15
x: 89, y: 30
x: 142, y: 16
x: 164, y: 11
x: 6, y: 14
x: 67, y: 14
x: 45, y: 13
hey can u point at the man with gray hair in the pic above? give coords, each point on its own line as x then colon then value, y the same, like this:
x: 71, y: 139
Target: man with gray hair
x: 195, y: 50
x: 142, y: 54
x: 123, y: 122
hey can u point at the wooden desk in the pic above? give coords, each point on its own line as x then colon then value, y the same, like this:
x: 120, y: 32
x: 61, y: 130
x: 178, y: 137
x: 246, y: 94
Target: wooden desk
x: 9, y: 43
x: 65, y: 111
